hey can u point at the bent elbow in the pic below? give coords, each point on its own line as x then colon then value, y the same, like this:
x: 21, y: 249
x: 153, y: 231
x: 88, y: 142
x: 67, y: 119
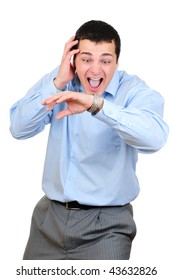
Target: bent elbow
x: 16, y: 133
x: 156, y: 142
x: 159, y: 143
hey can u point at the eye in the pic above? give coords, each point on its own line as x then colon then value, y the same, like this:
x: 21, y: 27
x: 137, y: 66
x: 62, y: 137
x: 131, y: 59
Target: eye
x: 106, y: 61
x: 87, y: 60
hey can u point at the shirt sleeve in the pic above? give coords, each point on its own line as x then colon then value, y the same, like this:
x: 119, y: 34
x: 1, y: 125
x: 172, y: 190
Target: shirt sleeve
x: 28, y: 116
x: 138, y: 121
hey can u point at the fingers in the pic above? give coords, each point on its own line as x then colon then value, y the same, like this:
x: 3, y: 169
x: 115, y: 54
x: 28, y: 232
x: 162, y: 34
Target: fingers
x: 70, y: 43
x: 51, y: 102
x: 55, y: 99
x: 63, y: 114
x: 50, y: 99
x: 68, y: 49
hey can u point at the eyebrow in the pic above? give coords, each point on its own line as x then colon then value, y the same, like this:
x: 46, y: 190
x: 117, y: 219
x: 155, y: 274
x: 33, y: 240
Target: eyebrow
x: 104, y: 54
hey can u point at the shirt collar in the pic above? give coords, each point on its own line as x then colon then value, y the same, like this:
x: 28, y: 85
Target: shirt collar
x: 111, y: 88
x: 114, y: 84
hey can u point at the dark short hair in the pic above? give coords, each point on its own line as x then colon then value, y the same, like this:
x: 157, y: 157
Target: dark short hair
x: 99, y: 31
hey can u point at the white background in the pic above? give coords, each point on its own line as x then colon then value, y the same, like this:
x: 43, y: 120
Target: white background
x: 33, y: 34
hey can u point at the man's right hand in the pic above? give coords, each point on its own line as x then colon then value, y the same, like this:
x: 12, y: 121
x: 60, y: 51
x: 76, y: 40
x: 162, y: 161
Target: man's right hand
x: 66, y: 70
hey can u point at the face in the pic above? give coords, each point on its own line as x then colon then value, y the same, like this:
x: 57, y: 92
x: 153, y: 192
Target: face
x: 95, y: 65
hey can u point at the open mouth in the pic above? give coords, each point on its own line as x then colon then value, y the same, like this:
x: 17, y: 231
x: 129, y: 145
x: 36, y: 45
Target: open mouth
x: 95, y: 83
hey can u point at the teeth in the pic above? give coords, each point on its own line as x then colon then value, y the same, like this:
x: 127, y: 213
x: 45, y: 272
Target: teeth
x: 94, y: 83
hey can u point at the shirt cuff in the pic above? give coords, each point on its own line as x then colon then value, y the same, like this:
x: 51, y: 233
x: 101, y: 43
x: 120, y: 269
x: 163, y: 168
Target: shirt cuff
x: 109, y: 113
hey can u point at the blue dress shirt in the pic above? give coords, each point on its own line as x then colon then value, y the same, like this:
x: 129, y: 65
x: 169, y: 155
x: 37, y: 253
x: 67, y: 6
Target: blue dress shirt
x: 92, y: 159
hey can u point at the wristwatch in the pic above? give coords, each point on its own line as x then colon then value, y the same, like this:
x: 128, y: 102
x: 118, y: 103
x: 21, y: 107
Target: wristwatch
x: 95, y: 107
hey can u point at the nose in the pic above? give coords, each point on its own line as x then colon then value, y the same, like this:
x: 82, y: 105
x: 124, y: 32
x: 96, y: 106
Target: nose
x: 95, y: 68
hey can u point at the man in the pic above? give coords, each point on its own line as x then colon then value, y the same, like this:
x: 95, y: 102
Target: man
x: 100, y: 119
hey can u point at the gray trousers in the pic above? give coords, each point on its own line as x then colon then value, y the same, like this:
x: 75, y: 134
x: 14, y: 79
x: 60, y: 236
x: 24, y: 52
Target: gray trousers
x: 101, y: 233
